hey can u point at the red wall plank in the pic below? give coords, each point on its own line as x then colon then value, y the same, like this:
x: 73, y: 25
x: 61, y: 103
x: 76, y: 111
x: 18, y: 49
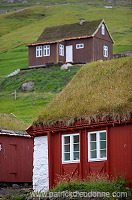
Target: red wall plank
x: 16, y: 159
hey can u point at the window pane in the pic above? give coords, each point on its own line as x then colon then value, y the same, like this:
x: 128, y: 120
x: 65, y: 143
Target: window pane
x: 93, y: 154
x: 93, y: 137
x: 102, y: 145
x: 103, y: 136
x: 76, y: 155
x: 102, y: 153
x: 66, y: 156
x: 76, y: 139
x: 67, y: 140
x: 92, y: 145
x: 67, y: 148
x: 76, y: 147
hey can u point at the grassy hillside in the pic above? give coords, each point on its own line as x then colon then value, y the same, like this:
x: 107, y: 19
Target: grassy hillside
x: 25, y: 107
x: 18, y: 25
x: 25, y: 26
x: 48, y: 82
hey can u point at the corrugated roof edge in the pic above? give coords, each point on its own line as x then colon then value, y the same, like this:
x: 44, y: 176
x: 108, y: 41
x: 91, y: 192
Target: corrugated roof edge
x: 14, y: 133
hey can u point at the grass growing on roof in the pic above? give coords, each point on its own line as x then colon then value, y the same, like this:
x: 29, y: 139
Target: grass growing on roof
x: 11, y: 122
x: 98, y: 89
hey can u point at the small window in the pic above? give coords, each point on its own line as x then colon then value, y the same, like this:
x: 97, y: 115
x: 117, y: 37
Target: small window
x: 103, y: 29
x: 70, y: 148
x: 61, y: 50
x: 79, y: 46
x: 97, y: 146
x: 38, y: 51
x: 46, y: 50
x: 105, y: 51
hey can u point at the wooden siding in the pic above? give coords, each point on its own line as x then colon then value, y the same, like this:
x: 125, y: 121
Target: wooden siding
x: 119, y: 156
x: 106, y: 36
x: 98, y: 49
x: 83, y: 55
x: 16, y: 159
x: 36, y: 61
x: 120, y: 151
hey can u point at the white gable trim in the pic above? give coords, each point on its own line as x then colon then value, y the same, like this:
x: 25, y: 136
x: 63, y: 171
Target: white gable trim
x: 106, y: 29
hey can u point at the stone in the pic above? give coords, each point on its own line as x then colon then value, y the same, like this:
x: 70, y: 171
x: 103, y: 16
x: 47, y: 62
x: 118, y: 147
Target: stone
x: 66, y: 66
x: 27, y: 85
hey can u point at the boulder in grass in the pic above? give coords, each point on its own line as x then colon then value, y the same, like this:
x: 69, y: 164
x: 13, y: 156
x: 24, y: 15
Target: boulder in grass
x: 66, y: 66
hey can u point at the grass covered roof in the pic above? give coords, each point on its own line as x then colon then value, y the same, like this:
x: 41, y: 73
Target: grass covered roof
x: 10, y: 122
x: 56, y: 33
x: 99, y: 89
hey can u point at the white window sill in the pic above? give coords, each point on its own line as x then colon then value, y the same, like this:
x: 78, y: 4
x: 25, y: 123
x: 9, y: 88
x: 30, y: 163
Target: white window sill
x: 69, y: 162
x: 94, y: 160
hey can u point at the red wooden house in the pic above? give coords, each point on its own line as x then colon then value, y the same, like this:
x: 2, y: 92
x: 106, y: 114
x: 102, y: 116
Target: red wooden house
x: 87, y: 128
x: 75, y: 43
x: 16, y: 157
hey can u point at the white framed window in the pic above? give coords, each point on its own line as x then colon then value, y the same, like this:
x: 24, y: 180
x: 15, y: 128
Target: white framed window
x: 46, y: 50
x: 70, y: 148
x: 103, y: 29
x: 79, y: 46
x: 38, y: 51
x: 97, y: 146
x: 105, y: 51
x: 61, y: 50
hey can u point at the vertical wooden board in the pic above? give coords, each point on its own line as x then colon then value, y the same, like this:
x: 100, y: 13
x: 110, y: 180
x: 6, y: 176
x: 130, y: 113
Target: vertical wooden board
x: 15, y: 166
x: 120, y: 152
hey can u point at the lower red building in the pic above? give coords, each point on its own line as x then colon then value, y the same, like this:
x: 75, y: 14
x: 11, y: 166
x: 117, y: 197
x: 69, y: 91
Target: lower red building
x: 16, y: 157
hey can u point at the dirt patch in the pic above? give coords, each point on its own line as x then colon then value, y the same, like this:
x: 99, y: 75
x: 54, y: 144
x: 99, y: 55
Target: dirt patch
x: 13, y: 191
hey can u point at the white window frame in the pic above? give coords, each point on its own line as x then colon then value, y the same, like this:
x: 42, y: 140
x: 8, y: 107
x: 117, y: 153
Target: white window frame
x: 38, y: 51
x: 80, y: 46
x: 46, y: 49
x: 98, y: 148
x: 105, y: 51
x: 71, y: 149
x: 61, y: 50
x: 103, y: 29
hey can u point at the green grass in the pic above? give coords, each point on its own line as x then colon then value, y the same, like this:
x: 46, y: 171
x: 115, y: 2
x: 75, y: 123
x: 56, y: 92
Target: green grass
x: 12, y: 60
x: 48, y: 82
x: 46, y: 79
x: 98, y: 183
x: 25, y: 107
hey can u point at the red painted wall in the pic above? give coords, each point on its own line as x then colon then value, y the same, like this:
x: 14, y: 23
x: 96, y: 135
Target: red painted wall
x: 16, y: 158
x: 119, y: 155
x: 120, y: 151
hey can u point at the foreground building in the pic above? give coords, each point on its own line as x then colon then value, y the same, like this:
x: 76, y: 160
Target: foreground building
x: 87, y: 128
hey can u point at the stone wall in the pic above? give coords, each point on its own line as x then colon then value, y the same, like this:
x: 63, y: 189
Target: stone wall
x: 40, y: 163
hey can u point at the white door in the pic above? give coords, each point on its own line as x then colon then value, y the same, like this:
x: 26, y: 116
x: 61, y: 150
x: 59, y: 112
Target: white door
x: 69, y: 53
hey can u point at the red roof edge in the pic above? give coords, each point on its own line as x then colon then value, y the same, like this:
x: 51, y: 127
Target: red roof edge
x: 73, y: 38
x: 43, y: 130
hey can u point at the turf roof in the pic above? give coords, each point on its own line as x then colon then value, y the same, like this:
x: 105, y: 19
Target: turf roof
x: 56, y: 33
x: 99, y: 89
x: 10, y: 122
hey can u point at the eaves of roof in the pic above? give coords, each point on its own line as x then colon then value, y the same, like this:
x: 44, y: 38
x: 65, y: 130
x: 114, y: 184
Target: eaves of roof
x: 44, y: 130
x: 57, y: 41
